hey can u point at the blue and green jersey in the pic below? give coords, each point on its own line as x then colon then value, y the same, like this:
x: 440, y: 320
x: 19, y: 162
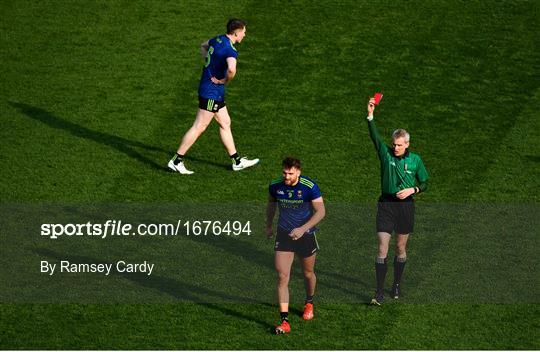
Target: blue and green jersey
x: 219, y: 49
x: 294, y: 202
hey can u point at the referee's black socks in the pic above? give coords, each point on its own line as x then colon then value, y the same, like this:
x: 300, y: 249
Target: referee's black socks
x: 380, y: 273
x: 399, y: 265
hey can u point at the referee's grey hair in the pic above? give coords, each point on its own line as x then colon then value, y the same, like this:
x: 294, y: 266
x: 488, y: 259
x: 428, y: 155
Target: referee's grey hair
x: 400, y: 132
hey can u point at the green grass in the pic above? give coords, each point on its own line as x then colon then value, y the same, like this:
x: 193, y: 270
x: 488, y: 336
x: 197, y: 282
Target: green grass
x: 95, y: 97
x: 211, y: 326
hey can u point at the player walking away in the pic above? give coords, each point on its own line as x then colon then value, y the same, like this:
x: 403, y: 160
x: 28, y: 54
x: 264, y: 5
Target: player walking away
x: 219, y: 68
x: 301, y: 207
x: 402, y: 174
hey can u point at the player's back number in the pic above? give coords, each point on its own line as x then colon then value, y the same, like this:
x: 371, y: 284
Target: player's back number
x: 208, y: 56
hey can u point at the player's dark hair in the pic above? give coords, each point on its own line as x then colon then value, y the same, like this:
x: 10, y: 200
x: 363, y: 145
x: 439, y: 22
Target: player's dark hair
x: 290, y: 162
x: 234, y: 24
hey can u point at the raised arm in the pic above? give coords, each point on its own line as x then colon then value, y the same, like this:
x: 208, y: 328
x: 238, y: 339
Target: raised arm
x: 373, y: 132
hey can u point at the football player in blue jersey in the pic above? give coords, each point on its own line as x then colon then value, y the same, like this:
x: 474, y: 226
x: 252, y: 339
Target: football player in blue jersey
x: 301, y: 208
x: 219, y: 69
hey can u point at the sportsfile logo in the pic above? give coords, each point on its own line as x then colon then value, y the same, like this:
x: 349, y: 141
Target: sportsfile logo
x: 110, y: 227
x: 120, y: 228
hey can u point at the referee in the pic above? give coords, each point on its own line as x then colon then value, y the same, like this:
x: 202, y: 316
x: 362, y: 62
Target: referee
x: 403, y: 174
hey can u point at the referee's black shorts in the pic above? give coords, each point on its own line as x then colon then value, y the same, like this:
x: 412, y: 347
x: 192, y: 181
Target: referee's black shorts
x: 304, y: 247
x: 395, y: 215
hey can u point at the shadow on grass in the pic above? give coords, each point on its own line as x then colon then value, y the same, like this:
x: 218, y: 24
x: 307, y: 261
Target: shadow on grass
x: 209, y: 162
x: 533, y: 158
x: 174, y: 288
x: 121, y: 144
x: 265, y: 259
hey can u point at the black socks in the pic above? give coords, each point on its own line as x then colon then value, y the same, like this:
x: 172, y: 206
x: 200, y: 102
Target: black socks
x: 399, y: 265
x: 309, y: 299
x: 178, y: 159
x: 235, y: 158
x: 380, y: 272
x: 284, y: 316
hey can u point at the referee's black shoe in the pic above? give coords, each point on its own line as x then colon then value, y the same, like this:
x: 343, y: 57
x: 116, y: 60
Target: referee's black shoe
x: 396, y: 291
x: 378, y: 299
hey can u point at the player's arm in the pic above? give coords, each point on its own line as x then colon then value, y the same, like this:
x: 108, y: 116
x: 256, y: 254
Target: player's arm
x: 270, y: 213
x: 231, y: 72
x: 231, y: 69
x: 204, y: 48
x: 318, y: 214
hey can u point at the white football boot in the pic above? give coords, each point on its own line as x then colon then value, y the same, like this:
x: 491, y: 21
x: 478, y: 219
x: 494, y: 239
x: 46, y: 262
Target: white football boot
x: 180, y: 167
x: 244, y: 164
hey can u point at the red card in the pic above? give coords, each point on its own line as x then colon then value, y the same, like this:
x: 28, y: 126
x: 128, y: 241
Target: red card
x: 377, y: 97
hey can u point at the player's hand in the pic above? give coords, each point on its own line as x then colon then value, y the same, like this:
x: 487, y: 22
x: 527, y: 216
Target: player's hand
x: 217, y: 81
x: 269, y: 232
x: 297, y: 233
x: 371, y: 106
x: 404, y: 193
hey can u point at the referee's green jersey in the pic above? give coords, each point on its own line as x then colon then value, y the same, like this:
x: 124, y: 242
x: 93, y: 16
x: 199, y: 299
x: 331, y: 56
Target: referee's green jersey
x: 401, y: 172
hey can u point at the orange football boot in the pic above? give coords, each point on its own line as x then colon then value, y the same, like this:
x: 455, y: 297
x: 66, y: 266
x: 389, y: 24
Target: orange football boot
x: 283, y: 328
x: 308, y: 311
